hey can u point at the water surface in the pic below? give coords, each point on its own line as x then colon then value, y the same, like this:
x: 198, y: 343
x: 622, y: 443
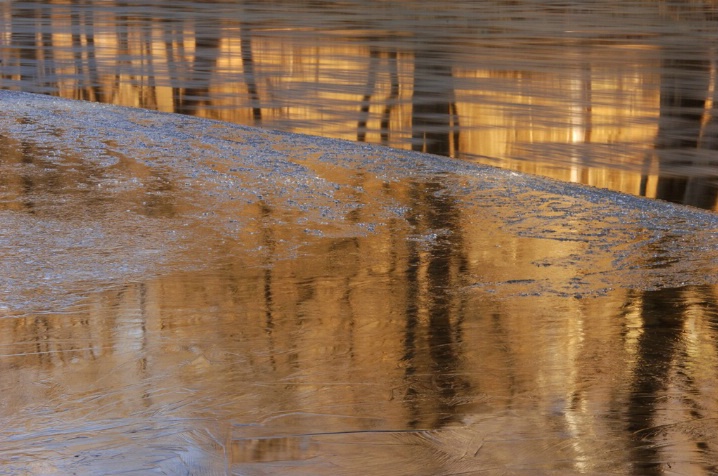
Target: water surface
x: 619, y: 95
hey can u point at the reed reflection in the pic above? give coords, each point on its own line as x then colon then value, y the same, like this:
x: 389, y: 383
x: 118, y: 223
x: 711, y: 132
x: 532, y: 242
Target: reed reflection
x: 434, y: 214
x: 371, y: 334
x: 250, y: 75
x: 687, y: 138
x: 203, y: 68
x: 434, y: 312
x: 205, y: 348
x: 434, y: 120
x: 668, y: 412
x: 662, y: 313
x: 372, y: 91
x: 671, y: 349
x: 402, y: 81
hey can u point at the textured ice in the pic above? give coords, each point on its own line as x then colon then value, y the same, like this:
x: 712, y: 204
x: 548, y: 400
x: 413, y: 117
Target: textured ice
x: 214, y: 166
x: 184, y: 296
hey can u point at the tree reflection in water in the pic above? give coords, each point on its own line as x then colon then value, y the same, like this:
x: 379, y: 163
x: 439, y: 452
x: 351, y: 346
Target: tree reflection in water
x: 575, y: 99
x: 684, y: 148
x: 434, y: 312
x: 434, y: 118
x: 685, y: 142
x: 455, y: 333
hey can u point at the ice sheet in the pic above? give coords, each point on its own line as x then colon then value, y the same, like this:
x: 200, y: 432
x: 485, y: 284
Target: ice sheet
x: 214, y: 171
x: 186, y: 296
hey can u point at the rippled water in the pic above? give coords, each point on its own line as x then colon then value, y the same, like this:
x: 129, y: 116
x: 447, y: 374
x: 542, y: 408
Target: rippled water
x: 619, y: 95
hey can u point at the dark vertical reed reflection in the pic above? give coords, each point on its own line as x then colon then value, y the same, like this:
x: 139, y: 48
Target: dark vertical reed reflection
x: 250, y: 76
x: 665, y: 363
x: 23, y: 41
x: 393, y: 96
x: 267, y: 285
x: 687, y: 131
x: 368, y: 93
x: 380, y: 57
x: 705, y: 443
x: 432, y: 340
x: 204, y: 64
x: 662, y: 315
x: 28, y: 180
x: 434, y: 116
x: 84, y: 54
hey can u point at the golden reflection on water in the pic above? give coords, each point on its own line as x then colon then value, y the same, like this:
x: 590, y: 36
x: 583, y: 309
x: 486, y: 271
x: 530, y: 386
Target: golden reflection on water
x: 331, y: 362
x: 274, y: 340
x: 570, y: 93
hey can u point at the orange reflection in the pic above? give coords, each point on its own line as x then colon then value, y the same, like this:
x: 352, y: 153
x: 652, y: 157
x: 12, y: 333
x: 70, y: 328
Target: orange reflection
x: 583, y: 110
x: 309, y: 311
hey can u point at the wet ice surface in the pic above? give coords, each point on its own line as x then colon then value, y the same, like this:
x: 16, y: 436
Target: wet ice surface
x: 184, y: 296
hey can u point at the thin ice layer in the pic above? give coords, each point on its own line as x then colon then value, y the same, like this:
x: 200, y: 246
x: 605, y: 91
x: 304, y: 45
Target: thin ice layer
x: 155, y: 176
x: 195, y: 297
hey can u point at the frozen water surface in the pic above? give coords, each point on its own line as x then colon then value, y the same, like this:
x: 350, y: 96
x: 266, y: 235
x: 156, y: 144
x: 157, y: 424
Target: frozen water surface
x: 184, y: 296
